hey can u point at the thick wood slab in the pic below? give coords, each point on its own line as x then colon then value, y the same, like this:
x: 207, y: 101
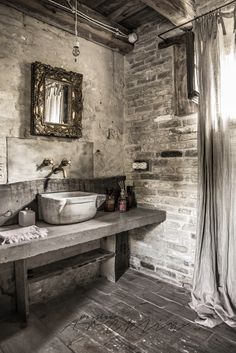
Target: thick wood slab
x: 103, y: 225
x: 177, y: 11
x: 55, y: 268
x: 22, y: 297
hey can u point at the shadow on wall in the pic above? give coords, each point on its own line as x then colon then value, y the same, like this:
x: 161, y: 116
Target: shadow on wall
x: 23, y: 105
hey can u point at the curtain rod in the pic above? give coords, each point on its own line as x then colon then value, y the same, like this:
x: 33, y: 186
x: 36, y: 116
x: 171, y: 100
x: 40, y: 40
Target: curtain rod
x: 194, y: 19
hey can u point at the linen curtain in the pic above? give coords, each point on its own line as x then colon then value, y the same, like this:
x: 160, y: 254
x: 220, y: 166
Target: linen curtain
x: 214, y: 282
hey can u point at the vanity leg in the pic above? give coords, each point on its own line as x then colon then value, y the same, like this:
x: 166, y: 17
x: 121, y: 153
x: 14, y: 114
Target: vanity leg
x: 115, y: 267
x: 108, y: 267
x: 22, y: 292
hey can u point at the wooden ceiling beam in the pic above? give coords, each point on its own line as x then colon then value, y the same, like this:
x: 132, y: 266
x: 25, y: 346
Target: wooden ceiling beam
x: 126, y: 10
x: 46, y: 12
x: 176, y: 11
x: 98, y: 3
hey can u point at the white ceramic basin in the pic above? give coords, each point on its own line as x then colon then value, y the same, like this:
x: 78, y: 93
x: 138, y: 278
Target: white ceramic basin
x: 69, y: 207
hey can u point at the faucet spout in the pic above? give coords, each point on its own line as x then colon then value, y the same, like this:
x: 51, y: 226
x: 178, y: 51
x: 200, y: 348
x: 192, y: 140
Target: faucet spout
x: 64, y: 173
x: 57, y: 169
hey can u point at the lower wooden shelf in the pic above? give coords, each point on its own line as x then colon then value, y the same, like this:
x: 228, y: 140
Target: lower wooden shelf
x: 52, y: 269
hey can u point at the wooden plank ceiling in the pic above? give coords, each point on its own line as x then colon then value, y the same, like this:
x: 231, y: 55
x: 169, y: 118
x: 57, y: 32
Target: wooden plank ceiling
x: 126, y: 15
x: 129, y: 13
x: 133, y: 13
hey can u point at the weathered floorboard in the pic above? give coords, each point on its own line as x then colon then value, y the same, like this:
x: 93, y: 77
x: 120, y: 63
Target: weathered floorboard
x: 34, y: 339
x: 115, y: 319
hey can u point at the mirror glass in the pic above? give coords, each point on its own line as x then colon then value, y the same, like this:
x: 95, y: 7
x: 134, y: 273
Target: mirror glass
x: 57, y: 109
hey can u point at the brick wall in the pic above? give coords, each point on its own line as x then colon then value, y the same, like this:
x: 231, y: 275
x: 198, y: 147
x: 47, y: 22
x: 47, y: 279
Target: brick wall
x: 155, y: 133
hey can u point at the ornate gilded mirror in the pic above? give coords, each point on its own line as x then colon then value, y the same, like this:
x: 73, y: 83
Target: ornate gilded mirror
x: 56, y: 101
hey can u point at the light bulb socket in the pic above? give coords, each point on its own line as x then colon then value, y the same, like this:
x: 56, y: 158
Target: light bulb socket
x: 132, y: 37
x: 76, y: 48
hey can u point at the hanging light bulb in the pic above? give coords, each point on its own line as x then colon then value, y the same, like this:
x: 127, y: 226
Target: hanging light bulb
x: 76, y: 47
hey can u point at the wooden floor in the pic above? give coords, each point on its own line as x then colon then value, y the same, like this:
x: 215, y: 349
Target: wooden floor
x: 136, y: 315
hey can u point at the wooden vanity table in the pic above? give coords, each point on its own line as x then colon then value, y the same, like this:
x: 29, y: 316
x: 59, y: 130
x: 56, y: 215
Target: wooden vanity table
x: 111, y: 229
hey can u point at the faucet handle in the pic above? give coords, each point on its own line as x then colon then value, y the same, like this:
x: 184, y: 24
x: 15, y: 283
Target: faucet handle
x: 65, y: 162
x: 47, y: 161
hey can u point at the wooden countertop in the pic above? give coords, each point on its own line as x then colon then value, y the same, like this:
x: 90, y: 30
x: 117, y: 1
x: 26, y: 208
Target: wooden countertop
x: 62, y: 236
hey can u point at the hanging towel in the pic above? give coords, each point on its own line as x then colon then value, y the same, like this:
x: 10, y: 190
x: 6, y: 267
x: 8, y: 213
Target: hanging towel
x: 22, y: 234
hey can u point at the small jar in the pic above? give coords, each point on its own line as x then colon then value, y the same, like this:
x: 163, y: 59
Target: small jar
x: 26, y: 218
x: 122, y: 202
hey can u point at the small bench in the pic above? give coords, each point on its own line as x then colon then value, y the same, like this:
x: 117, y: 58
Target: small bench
x: 111, y: 229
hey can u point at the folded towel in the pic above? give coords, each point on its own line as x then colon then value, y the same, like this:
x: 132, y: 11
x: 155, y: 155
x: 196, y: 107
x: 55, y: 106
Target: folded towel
x: 22, y: 234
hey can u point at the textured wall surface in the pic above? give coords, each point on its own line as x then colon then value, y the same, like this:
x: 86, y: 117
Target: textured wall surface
x: 160, y: 126
x: 24, y: 40
x: 153, y: 132
x: 24, y: 158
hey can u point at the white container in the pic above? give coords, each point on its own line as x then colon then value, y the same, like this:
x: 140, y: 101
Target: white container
x: 69, y: 207
x: 26, y: 218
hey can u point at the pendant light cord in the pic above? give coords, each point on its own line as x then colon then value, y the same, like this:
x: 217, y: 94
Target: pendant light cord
x: 76, y: 19
x: 105, y: 26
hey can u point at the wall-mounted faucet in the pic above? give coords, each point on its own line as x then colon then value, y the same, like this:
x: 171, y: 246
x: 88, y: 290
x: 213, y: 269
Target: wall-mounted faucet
x: 57, y: 168
x: 45, y: 163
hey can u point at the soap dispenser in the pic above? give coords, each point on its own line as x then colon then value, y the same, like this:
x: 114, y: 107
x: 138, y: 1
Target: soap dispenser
x: 26, y: 217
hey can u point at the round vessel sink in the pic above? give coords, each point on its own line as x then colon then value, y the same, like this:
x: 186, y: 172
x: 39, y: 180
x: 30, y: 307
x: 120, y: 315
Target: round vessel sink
x: 69, y: 207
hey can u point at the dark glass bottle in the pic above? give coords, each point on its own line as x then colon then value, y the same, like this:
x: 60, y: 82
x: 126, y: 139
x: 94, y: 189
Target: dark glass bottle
x: 131, y: 197
x: 110, y: 201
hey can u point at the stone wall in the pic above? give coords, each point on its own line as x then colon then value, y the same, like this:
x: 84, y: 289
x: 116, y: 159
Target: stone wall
x: 25, y: 40
x: 154, y: 132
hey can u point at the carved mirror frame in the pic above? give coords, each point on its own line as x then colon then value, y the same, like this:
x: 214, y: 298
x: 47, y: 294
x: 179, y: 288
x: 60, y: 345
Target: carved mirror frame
x: 41, y: 72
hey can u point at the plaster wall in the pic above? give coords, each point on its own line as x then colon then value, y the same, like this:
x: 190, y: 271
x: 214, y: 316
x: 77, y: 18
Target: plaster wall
x: 24, y: 40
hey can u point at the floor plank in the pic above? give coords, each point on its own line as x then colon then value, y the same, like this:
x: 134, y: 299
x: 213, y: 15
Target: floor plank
x: 34, y: 338
x: 138, y: 314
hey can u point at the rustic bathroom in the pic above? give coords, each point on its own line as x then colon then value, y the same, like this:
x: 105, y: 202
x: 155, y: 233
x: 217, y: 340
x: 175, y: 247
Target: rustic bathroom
x: 117, y: 176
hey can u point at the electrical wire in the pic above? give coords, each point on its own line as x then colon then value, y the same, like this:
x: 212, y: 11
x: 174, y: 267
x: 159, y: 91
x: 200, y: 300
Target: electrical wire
x: 105, y: 26
x: 73, y: 9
